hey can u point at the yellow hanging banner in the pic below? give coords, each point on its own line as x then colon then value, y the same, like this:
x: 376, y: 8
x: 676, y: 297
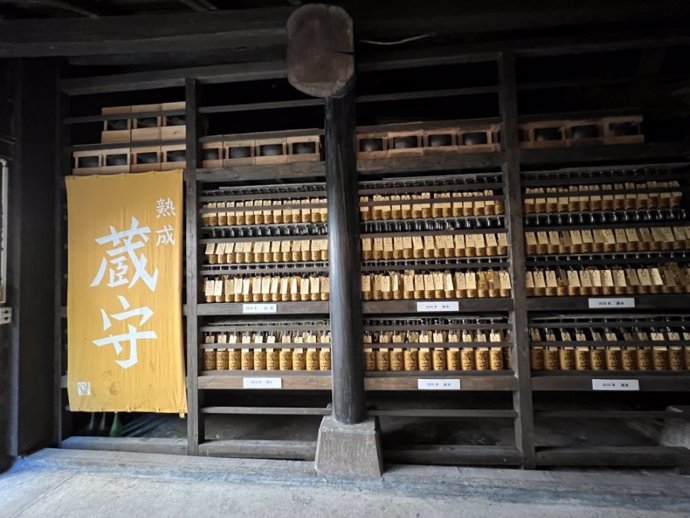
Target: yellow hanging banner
x: 124, y: 285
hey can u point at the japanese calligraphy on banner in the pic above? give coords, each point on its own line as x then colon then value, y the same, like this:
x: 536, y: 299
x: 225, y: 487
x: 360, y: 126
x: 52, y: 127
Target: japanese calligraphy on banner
x: 124, y: 302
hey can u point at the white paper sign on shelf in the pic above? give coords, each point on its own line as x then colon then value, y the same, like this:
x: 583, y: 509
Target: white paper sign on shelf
x: 631, y: 385
x: 432, y: 307
x: 611, y: 303
x: 438, y: 384
x: 262, y: 383
x: 259, y: 309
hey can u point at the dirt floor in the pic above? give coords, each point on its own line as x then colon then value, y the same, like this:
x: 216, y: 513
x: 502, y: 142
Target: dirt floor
x: 74, y: 484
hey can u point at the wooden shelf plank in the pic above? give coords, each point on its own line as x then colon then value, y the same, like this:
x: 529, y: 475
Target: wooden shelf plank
x: 444, y: 412
x: 447, y: 454
x: 614, y: 456
x: 273, y: 105
x: 444, y: 161
x: 259, y: 449
x: 375, y: 381
x: 368, y: 98
x: 167, y: 446
x: 290, y: 380
x: 611, y: 153
x: 118, y: 116
x: 577, y: 382
x: 127, y: 145
x: 378, y: 307
x: 282, y: 308
x: 437, y: 162
x: 666, y: 302
x: 262, y: 172
x: 236, y: 410
x: 609, y: 414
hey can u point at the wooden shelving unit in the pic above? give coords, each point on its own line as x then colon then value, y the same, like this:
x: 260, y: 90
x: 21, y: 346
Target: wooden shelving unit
x: 508, y: 171
x: 637, y: 320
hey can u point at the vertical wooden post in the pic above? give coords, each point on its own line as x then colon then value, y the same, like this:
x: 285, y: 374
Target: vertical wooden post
x: 347, y: 354
x: 195, y: 425
x: 522, y: 398
x: 64, y: 162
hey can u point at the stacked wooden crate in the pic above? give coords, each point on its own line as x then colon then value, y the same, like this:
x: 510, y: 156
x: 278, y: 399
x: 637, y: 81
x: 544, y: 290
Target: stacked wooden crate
x: 143, y: 130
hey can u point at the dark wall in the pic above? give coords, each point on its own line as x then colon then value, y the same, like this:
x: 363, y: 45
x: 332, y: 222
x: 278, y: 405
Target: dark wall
x: 31, y: 254
x: 7, y: 94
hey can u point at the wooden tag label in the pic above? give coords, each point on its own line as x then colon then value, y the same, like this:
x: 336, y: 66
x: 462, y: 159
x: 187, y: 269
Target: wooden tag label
x: 631, y: 235
x: 471, y: 280
x: 585, y: 278
x: 607, y: 278
x: 504, y: 280
x: 595, y: 275
x: 366, y: 283
x: 551, y: 281
x: 539, y: 279
x: 304, y: 286
x: 314, y: 285
x: 408, y: 283
x: 644, y: 276
x: 256, y: 285
x: 209, y: 287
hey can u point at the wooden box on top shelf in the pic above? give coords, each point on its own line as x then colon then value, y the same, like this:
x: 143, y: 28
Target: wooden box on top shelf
x: 173, y: 126
x: 212, y: 154
x: 271, y: 151
x: 304, y: 149
x: 174, y: 157
x: 238, y: 152
x: 146, y: 127
x: 145, y: 159
x: 117, y: 130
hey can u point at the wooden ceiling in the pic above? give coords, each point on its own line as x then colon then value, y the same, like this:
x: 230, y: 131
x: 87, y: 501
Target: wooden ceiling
x: 22, y: 9
x: 564, y: 11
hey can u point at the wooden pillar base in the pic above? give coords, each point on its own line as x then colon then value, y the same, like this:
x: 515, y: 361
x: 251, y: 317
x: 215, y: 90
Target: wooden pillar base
x: 349, y: 450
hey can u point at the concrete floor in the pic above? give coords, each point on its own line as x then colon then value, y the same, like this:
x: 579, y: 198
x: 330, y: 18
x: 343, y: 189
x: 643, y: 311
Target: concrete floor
x: 64, y: 483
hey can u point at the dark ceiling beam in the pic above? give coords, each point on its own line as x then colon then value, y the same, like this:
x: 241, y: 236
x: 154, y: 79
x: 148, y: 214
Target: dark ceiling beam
x: 388, y: 60
x: 143, y: 33
x: 651, y: 61
x: 176, y: 78
x: 182, y: 58
x: 73, y: 6
x: 377, y: 19
x: 201, y: 6
x: 231, y: 29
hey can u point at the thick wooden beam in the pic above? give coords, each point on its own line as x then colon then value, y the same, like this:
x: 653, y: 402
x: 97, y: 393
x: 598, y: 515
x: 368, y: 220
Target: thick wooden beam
x: 320, y: 52
x: 142, y: 33
x: 378, y: 20
x: 227, y: 29
x: 371, y: 61
x: 200, y: 6
x: 344, y: 270
x: 71, y: 6
x: 175, y: 77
